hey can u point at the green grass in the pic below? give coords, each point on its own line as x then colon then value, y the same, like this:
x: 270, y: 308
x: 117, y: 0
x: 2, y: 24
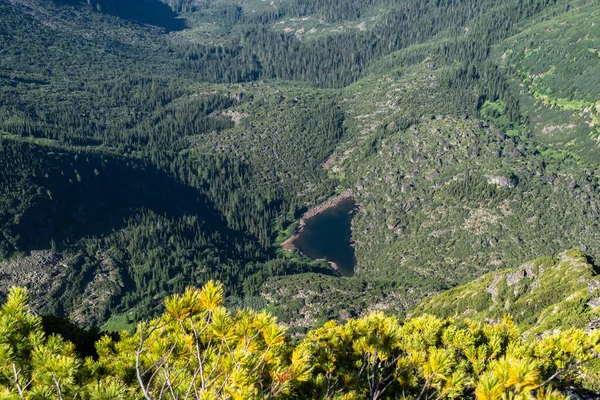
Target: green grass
x: 119, y: 323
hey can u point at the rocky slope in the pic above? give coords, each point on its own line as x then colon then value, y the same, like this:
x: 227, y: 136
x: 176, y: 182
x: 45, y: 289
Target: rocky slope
x: 544, y: 295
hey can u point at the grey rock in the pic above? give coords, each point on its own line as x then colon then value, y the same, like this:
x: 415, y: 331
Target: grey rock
x: 594, y: 303
x: 594, y: 324
x: 593, y: 285
x: 515, y: 277
x: 493, y: 288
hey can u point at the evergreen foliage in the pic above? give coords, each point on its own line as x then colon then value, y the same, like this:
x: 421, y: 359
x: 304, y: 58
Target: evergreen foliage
x: 140, y: 162
x: 197, y: 349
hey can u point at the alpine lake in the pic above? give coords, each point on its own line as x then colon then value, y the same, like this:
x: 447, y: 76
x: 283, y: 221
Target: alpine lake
x: 328, y: 236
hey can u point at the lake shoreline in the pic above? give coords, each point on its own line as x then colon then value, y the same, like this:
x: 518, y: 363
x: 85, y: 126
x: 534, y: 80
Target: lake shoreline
x: 332, y: 202
x: 288, y: 245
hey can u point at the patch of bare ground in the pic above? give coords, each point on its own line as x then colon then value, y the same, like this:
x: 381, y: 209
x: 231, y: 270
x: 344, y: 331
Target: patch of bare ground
x: 45, y: 273
x: 478, y: 219
x: 329, y: 163
x: 561, y: 128
x: 41, y: 272
x: 288, y: 245
x: 235, y: 116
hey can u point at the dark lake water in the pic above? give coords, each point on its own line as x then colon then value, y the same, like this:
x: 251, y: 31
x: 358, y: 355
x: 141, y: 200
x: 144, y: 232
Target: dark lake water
x: 327, y: 236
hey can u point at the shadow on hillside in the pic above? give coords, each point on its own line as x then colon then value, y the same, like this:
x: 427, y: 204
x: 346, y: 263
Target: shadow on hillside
x: 593, y: 262
x: 91, y: 195
x: 152, y: 12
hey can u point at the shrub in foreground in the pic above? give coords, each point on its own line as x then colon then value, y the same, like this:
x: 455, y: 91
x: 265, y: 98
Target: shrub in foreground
x: 198, y: 349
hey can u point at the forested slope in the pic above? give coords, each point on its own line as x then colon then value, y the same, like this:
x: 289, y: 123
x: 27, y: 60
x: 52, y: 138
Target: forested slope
x: 556, y: 62
x: 147, y: 148
x: 450, y: 185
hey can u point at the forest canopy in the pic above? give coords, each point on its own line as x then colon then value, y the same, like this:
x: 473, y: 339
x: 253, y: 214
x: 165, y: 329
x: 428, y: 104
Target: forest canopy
x: 147, y: 146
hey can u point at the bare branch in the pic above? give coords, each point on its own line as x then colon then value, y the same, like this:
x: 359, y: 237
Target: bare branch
x: 57, y: 384
x: 20, y: 388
